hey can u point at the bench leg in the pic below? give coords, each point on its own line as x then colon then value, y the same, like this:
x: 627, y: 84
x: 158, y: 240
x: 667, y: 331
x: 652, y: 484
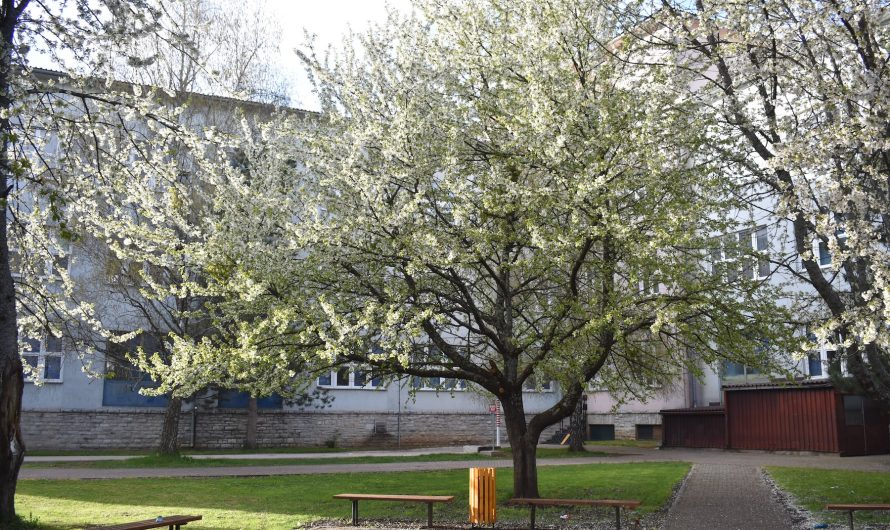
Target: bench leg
x: 618, y: 517
x: 531, y: 526
x: 429, y: 515
x: 355, y: 513
x: 851, y: 519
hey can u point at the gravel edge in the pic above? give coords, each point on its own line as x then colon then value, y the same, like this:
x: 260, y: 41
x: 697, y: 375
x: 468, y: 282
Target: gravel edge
x: 801, y: 518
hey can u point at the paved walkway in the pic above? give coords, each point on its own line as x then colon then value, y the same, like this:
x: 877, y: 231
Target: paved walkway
x: 726, y: 497
x: 617, y: 455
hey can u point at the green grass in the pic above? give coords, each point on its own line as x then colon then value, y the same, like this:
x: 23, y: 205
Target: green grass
x: 159, y: 461
x: 814, y: 488
x: 288, y: 501
x: 647, y: 444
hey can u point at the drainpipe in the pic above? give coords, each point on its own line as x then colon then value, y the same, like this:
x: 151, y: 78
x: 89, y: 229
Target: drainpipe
x: 399, y: 418
x: 194, y: 423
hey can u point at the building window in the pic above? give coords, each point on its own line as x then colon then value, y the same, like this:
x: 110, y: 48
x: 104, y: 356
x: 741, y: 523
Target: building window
x: 854, y: 410
x: 347, y: 377
x: 823, y: 255
x: 648, y: 432
x: 599, y: 432
x: 228, y: 398
x: 44, y: 359
x: 437, y: 383
x: 742, y: 253
x: 821, y: 357
x: 531, y: 385
x: 649, y: 285
x: 59, y: 260
x: 123, y: 380
x: 814, y: 365
x: 734, y: 370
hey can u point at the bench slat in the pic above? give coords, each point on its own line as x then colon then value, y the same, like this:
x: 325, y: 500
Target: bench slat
x: 857, y: 507
x: 629, y: 504
x: 406, y: 498
x: 151, y: 523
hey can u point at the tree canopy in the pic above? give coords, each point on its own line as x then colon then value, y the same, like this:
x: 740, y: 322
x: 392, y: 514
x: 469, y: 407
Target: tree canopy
x: 491, y: 196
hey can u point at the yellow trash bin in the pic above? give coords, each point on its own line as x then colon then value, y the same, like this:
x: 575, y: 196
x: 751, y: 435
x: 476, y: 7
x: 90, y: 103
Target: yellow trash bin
x: 482, y: 496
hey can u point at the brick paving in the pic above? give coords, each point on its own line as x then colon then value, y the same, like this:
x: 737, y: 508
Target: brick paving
x: 726, y: 497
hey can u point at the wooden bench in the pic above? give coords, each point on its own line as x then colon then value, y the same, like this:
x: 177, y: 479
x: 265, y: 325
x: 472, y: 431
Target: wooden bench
x: 856, y: 508
x: 611, y: 503
x: 428, y: 499
x: 172, y: 522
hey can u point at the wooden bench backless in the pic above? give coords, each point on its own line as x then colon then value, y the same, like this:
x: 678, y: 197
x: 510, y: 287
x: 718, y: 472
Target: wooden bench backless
x: 617, y: 504
x: 856, y: 508
x: 428, y: 499
x: 170, y: 521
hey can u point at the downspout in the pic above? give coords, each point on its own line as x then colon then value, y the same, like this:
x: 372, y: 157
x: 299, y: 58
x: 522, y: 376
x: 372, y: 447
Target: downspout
x: 194, y: 423
x: 399, y: 418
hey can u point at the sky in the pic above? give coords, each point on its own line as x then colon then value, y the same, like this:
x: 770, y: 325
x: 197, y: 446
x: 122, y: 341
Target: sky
x: 329, y: 20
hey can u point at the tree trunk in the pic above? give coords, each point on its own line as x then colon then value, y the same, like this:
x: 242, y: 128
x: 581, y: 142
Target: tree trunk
x: 576, y: 441
x: 12, y: 447
x: 170, y: 431
x: 12, y: 381
x: 524, y: 445
x: 252, y: 413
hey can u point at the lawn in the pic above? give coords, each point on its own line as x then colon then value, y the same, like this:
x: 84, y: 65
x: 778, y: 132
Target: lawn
x: 814, y: 488
x: 288, y: 501
x: 154, y: 461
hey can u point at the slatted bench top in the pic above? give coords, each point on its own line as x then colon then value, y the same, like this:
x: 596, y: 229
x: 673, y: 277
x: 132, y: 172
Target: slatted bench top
x: 426, y: 499
x: 169, y: 520
x: 629, y: 504
x: 406, y: 498
x: 855, y: 507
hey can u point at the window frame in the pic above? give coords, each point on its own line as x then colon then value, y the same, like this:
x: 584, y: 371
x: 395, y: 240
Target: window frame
x: 333, y: 379
x: 735, y: 266
x: 41, y: 355
x: 825, y: 351
x: 460, y: 385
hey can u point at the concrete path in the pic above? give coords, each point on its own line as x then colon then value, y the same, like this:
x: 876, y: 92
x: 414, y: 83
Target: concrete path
x: 617, y: 455
x: 726, y: 497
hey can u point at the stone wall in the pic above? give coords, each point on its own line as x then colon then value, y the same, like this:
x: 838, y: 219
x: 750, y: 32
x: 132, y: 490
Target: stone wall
x: 139, y: 428
x: 626, y: 422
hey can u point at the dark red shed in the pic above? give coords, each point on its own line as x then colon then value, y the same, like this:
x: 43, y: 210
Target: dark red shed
x: 808, y: 415
x: 694, y: 427
x: 803, y: 416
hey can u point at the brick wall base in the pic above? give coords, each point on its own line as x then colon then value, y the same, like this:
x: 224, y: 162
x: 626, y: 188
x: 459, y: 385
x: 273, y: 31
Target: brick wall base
x: 625, y: 422
x: 137, y: 429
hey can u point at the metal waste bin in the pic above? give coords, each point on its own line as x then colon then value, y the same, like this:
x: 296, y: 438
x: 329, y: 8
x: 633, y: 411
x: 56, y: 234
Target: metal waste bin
x: 483, y: 497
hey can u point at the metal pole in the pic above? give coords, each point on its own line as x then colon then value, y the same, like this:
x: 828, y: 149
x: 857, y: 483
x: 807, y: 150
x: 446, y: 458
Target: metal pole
x: 497, y: 425
x: 429, y: 515
x: 618, y: 517
x: 355, y: 512
x: 399, y: 418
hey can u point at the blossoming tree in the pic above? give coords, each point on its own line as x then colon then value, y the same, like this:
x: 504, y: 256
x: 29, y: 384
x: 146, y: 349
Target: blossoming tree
x: 798, y: 97
x: 489, y: 196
